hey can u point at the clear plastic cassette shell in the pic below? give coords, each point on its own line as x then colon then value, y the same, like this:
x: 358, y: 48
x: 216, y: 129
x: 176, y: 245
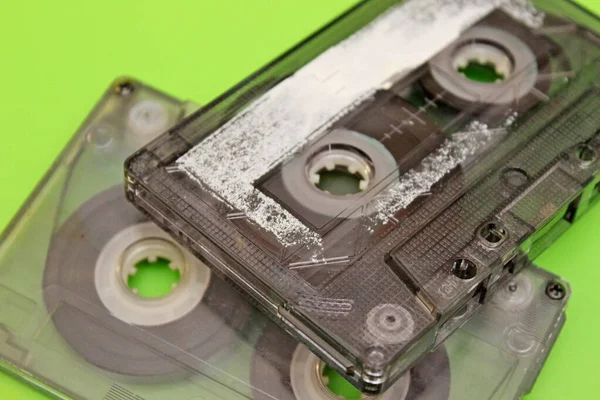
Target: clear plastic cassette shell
x: 59, y: 330
x: 457, y: 181
x: 497, y: 354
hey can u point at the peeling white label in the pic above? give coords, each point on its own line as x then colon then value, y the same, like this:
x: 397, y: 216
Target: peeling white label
x: 280, y: 122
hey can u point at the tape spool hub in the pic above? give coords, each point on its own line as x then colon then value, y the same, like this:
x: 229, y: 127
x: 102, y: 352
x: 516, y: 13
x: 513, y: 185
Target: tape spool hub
x: 118, y: 261
x: 283, y: 369
x: 352, y: 155
x: 483, y: 61
x: 487, y: 66
x: 309, y: 381
x: 340, y: 170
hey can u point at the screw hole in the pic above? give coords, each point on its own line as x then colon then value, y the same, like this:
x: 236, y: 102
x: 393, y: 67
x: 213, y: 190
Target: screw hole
x: 464, y: 269
x: 124, y: 88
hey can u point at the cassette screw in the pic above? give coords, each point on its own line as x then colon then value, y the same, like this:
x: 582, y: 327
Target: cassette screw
x: 124, y: 88
x: 464, y: 269
x: 556, y: 290
x: 512, y: 287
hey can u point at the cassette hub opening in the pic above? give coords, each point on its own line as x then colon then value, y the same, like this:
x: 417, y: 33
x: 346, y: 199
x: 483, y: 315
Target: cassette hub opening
x: 340, y: 171
x: 482, y: 67
x: 336, y: 384
x: 311, y: 379
x: 152, y: 258
x: 153, y: 278
x: 118, y: 262
x: 359, y: 162
x: 483, y: 62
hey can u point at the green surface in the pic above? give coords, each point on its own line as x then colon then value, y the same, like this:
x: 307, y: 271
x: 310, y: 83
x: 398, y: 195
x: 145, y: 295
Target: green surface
x: 339, y: 385
x: 58, y: 57
x: 153, y: 279
x: 339, y: 182
x: 479, y: 72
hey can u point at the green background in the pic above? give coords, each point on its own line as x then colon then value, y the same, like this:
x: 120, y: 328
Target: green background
x: 57, y: 57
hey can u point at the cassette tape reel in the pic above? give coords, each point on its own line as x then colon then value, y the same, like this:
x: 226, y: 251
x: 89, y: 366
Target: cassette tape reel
x: 396, y: 167
x: 74, y: 321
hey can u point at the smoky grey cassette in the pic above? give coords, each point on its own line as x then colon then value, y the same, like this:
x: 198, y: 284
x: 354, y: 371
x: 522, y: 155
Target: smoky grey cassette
x: 393, y: 169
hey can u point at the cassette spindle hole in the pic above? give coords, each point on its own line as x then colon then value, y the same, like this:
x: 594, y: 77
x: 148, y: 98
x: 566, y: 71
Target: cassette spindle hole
x: 483, y: 62
x: 336, y: 384
x: 312, y: 379
x: 154, y: 278
x: 152, y: 268
x: 340, y: 171
x: 464, y: 269
x: 493, y: 234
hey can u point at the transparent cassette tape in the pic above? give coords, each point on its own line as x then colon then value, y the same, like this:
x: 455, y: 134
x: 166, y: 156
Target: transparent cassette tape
x: 392, y: 169
x: 498, y: 354
x: 75, y: 324
x: 73, y: 320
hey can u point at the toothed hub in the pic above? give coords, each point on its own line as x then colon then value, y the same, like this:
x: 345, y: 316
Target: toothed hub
x: 482, y: 62
x: 126, y: 254
x: 340, y: 172
x: 312, y: 379
x: 151, y: 251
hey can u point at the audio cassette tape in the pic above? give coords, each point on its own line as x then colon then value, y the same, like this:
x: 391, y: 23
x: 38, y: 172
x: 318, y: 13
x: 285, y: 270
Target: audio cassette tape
x: 80, y: 317
x: 497, y: 355
x: 391, y: 170
x: 77, y: 320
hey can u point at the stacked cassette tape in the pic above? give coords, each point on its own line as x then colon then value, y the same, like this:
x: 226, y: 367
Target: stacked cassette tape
x: 388, y: 173
x: 355, y: 221
x: 74, y: 324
